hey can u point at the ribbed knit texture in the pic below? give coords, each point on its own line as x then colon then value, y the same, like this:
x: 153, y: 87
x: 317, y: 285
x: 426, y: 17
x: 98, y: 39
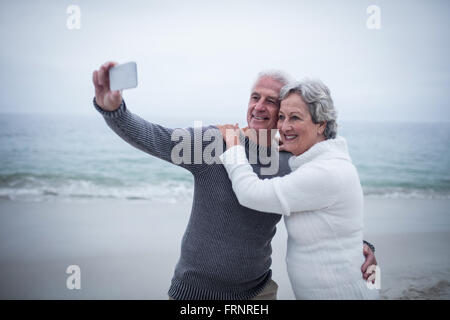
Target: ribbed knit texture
x: 225, y: 250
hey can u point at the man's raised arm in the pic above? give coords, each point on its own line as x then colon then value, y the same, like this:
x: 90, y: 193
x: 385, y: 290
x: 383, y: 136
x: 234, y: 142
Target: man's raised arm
x: 187, y: 146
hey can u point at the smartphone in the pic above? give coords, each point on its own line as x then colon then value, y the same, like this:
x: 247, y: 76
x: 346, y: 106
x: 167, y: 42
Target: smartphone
x: 123, y: 76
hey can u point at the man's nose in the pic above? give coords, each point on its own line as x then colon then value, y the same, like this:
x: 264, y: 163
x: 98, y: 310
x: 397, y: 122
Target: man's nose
x: 259, y: 106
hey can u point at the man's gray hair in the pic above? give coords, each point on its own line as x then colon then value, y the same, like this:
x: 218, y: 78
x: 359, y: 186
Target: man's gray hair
x: 277, y: 75
x: 317, y: 97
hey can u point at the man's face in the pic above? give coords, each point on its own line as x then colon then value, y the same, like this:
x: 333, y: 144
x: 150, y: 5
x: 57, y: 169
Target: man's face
x: 263, y: 106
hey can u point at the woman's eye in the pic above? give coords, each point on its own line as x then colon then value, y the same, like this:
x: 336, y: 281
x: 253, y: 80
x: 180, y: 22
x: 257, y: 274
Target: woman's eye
x: 280, y: 117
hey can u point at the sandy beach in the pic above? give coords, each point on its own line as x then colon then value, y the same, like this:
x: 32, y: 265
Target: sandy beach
x: 128, y: 249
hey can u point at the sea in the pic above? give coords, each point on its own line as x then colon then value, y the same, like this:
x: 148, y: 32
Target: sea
x: 79, y: 158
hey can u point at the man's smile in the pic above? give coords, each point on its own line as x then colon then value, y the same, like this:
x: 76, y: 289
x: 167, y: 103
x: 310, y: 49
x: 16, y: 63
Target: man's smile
x: 261, y: 118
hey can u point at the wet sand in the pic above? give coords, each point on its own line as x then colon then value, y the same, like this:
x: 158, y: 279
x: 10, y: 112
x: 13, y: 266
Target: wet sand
x: 129, y: 249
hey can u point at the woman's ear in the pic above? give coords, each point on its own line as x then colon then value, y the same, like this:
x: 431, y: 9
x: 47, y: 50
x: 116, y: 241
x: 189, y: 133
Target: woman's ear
x: 321, y: 127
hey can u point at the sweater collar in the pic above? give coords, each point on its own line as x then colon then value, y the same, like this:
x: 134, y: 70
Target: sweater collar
x: 327, y: 149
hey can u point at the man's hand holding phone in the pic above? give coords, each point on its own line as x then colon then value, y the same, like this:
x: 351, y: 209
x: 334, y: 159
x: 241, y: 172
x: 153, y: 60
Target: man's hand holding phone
x: 109, y: 80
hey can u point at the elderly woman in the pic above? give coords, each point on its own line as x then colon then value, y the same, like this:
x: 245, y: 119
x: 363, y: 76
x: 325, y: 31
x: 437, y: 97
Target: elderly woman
x: 321, y: 199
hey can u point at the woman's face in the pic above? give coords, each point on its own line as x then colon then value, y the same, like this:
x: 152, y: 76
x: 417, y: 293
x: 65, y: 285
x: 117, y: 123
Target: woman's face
x: 297, y: 131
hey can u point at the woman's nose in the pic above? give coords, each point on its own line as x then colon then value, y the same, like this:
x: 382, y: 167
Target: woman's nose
x: 285, y: 126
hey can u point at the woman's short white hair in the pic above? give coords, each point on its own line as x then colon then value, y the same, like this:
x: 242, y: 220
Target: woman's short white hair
x: 317, y: 97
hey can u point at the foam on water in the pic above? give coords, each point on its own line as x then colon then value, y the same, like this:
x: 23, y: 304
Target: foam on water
x: 31, y: 188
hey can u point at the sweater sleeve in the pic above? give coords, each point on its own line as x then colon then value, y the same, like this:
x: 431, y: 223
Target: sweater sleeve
x: 181, y: 146
x: 308, y: 188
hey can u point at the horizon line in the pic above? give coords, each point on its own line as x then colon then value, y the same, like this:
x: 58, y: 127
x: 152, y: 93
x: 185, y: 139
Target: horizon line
x: 210, y: 117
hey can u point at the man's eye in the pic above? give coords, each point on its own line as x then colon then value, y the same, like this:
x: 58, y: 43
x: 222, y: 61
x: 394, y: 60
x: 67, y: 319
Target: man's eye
x: 280, y: 117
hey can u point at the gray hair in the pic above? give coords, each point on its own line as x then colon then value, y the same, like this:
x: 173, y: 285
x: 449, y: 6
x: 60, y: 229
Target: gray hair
x: 317, y: 97
x: 277, y: 75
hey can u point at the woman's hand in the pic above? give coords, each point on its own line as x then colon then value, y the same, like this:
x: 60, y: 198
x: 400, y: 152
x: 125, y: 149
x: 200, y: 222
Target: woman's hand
x: 250, y: 133
x: 278, y: 142
x: 230, y: 134
x: 281, y: 146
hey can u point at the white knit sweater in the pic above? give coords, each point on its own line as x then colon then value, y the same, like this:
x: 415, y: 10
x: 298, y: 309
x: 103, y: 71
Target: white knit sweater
x: 322, y: 201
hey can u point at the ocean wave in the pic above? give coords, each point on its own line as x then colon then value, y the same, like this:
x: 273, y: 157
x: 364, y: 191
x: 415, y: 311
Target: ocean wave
x: 22, y: 186
x: 406, y: 193
x: 439, y: 290
x: 36, y: 188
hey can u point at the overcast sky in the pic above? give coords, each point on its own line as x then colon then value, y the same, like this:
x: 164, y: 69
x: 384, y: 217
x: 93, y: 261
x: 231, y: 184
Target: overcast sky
x: 197, y: 59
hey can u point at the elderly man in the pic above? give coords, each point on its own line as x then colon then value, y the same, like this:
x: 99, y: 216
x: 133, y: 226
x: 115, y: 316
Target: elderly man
x: 225, y: 250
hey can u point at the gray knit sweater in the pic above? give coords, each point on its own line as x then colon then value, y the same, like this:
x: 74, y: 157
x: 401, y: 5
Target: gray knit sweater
x: 226, y: 248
